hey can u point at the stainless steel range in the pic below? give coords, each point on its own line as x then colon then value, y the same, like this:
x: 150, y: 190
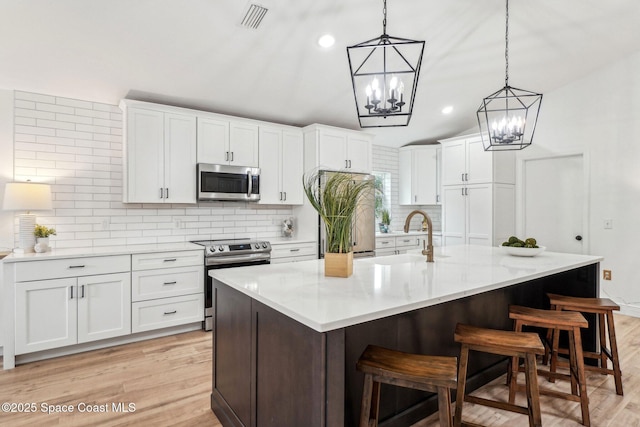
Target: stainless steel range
x: 228, y: 254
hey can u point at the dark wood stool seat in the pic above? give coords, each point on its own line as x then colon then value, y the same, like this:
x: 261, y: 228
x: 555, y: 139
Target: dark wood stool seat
x: 603, y: 308
x: 437, y: 374
x: 507, y: 343
x: 558, y: 321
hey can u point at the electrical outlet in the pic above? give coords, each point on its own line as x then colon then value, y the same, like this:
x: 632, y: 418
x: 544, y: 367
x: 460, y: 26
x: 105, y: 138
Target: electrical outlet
x: 606, y: 274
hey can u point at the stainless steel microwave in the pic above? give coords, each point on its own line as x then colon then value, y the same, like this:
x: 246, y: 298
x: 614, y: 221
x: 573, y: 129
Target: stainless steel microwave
x: 224, y: 182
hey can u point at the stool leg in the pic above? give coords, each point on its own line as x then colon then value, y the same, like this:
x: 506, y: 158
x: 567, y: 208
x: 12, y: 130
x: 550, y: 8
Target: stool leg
x: 547, y: 343
x: 575, y: 353
x: 614, y: 353
x: 444, y: 406
x: 555, y: 343
x: 462, y: 379
x: 533, y: 393
x: 512, y: 373
x: 370, y: 401
x: 573, y: 363
x: 603, y: 341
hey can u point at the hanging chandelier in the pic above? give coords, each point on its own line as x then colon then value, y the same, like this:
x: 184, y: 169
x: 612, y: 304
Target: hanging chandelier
x: 384, y: 73
x: 507, y: 118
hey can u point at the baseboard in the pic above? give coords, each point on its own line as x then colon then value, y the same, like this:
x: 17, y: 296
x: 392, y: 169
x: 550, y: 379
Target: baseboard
x: 127, y: 339
x: 630, y: 310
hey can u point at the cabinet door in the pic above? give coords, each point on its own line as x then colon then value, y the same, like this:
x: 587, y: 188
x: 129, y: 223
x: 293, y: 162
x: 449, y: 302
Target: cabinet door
x: 144, y: 156
x: 213, y: 141
x: 479, y: 212
x: 104, y: 306
x: 46, y: 314
x: 292, y: 167
x: 243, y: 144
x: 180, y: 158
x: 405, y: 187
x: 359, y: 153
x: 453, y: 162
x: 332, y: 150
x: 270, y: 166
x: 439, y: 175
x: 479, y: 162
x: 424, y: 176
x: 453, y: 215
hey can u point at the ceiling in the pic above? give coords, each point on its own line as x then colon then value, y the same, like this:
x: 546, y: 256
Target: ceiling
x: 194, y: 53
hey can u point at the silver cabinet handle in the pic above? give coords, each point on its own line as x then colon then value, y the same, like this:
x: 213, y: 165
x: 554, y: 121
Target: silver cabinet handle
x: 82, y: 295
x: 385, y: 243
x: 76, y: 266
x: 415, y: 198
x: 438, y: 198
x: 285, y: 196
x: 226, y: 156
x: 461, y: 177
x: 349, y: 164
x: 281, y: 195
x: 466, y: 177
x: 232, y: 156
x: 170, y: 312
x: 294, y: 250
x: 72, y: 291
x: 166, y: 190
x: 170, y: 283
x: 462, y: 191
x: 406, y: 241
x: 170, y: 260
x: 161, y: 193
x: 466, y: 191
x: 346, y: 164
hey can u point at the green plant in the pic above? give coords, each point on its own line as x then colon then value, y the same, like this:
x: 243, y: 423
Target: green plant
x: 336, y: 202
x: 386, y: 219
x: 43, y: 231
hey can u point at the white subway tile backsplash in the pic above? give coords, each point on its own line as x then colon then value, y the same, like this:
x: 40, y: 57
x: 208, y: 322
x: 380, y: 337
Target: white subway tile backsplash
x: 73, y: 103
x: 29, y: 96
x: 54, y: 108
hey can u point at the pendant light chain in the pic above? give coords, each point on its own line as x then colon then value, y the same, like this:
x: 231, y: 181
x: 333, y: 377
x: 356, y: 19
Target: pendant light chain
x: 506, y: 48
x: 384, y: 20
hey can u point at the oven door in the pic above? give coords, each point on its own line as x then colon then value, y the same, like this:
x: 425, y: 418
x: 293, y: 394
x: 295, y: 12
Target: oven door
x: 223, y: 182
x: 208, y: 290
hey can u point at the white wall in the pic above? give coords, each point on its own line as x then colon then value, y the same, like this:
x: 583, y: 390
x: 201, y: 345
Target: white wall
x: 6, y: 166
x: 76, y: 145
x: 600, y: 114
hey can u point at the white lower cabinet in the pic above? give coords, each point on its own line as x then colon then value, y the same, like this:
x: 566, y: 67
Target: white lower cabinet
x: 167, y: 289
x: 293, y: 251
x: 59, y: 312
x: 394, y: 245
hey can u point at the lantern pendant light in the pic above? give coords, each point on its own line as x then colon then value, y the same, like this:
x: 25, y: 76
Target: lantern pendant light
x: 507, y: 118
x: 384, y: 74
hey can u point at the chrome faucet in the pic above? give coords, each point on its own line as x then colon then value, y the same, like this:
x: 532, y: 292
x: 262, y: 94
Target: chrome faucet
x: 428, y: 251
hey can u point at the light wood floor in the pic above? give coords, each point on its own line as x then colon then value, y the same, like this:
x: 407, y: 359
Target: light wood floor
x: 169, y: 381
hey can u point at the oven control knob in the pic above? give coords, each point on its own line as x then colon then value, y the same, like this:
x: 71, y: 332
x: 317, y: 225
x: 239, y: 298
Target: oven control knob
x: 212, y: 249
x: 221, y: 248
x: 264, y: 245
x: 257, y: 246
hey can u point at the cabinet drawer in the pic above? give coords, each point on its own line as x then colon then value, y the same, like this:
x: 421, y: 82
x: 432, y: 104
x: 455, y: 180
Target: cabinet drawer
x: 71, y: 267
x: 165, y: 312
x: 385, y: 242
x: 167, y: 260
x: 166, y: 282
x: 407, y: 242
x: 293, y: 249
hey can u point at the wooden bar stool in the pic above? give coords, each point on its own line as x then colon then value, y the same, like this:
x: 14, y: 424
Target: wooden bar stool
x: 558, y: 321
x: 604, y: 308
x: 507, y: 343
x: 436, y: 374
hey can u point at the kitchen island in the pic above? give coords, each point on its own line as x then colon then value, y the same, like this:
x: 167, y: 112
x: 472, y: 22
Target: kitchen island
x: 286, y: 338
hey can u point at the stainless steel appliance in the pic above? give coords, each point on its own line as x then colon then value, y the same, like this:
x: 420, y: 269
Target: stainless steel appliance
x: 228, y: 254
x: 364, y: 221
x: 224, y: 182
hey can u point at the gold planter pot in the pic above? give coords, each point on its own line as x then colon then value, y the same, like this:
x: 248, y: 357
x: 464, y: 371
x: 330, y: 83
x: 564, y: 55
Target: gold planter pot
x: 338, y: 265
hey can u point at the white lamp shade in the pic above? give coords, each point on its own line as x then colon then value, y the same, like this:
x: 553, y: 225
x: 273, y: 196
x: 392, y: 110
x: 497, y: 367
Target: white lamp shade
x: 27, y: 196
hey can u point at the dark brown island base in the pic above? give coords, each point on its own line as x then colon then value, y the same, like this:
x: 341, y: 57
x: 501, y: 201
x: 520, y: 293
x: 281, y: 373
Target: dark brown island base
x: 271, y: 369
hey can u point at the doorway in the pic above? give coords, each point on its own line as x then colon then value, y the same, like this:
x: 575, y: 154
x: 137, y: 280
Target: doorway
x: 554, y: 202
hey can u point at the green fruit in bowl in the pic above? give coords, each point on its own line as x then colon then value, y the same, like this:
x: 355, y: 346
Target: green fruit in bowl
x: 514, y: 242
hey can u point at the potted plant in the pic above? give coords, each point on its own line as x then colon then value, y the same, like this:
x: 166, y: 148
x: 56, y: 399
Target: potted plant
x: 385, y: 221
x: 42, y: 234
x: 336, y: 201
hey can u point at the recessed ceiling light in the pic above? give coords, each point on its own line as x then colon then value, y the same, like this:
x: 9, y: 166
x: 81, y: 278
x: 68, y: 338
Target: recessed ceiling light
x: 326, y: 41
x: 447, y: 110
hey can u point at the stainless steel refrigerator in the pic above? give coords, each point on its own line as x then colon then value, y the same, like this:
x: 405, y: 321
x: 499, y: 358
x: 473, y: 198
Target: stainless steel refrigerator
x: 364, y: 231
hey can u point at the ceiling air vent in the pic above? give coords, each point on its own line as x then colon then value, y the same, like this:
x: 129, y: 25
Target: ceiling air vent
x: 253, y: 16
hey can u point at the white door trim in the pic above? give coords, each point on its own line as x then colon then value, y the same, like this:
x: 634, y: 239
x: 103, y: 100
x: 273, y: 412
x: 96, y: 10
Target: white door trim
x: 520, y: 185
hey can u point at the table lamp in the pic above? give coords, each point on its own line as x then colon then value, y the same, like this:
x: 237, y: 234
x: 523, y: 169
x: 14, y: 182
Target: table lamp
x: 26, y: 196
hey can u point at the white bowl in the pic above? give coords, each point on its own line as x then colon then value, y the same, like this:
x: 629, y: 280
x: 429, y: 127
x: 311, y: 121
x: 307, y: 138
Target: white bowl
x: 511, y: 250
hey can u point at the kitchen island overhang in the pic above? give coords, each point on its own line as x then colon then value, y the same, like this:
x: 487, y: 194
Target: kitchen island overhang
x: 315, y: 327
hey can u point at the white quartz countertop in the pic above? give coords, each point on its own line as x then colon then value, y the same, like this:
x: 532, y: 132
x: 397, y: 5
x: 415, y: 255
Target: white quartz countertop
x: 102, y: 251
x: 384, y: 286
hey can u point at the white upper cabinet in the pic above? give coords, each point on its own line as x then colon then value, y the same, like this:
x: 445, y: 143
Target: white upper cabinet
x: 159, y: 154
x: 419, y: 171
x: 464, y: 161
x: 337, y: 149
x: 224, y: 141
x: 281, y: 165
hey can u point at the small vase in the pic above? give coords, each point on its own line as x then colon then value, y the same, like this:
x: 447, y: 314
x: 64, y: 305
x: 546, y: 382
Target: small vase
x: 42, y: 244
x: 338, y: 265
